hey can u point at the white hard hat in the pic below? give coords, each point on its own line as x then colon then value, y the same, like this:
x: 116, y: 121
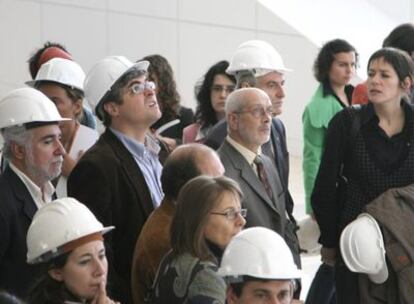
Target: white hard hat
x: 56, y: 224
x: 257, y: 56
x: 63, y: 71
x: 22, y: 106
x: 258, y: 252
x: 363, y: 250
x: 104, y: 74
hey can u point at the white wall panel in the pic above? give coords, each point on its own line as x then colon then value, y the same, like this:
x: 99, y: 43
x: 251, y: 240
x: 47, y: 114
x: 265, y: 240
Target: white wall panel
x: 234, y: 13
x: 156, y: 8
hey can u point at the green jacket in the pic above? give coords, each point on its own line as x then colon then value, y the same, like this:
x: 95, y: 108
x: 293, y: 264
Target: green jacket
x: 315, y: 119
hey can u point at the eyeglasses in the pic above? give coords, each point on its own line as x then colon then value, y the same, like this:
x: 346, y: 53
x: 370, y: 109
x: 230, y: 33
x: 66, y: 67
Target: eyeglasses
x: 258, y: 112
x: 220, y: 88
x: 138, y: 88
x: 232, y: 214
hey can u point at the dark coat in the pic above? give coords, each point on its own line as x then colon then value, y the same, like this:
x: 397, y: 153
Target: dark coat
x: 17, y: 209
x: 110, y: 183
x: 261, y: 209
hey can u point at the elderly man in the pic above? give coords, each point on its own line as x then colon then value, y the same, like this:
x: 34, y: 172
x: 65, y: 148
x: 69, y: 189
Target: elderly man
x: 257, y: 64
x: 183, y: 164
x: 272, y: 281
x: 249, y: 116
x: 32, y: 147
x: 119, y: 177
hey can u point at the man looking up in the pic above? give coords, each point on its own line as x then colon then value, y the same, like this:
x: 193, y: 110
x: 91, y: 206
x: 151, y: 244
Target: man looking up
x: 118, y: 178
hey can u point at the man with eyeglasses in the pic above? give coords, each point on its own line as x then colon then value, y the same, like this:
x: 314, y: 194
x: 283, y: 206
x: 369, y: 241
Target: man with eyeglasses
x: 256, y: 63
x: 119, y: 177
x: 249, y: 117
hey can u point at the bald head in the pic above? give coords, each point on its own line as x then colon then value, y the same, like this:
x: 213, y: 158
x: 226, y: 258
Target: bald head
x: 186, y: 162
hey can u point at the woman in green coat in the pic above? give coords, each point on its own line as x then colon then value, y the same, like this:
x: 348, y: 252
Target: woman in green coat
x: 333, y: 69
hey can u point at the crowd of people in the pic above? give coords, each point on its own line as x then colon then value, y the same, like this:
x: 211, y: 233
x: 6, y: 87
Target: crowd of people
x: 198, y: 206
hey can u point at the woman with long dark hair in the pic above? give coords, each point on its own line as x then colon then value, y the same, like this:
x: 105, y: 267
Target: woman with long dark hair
x: 211, y: 100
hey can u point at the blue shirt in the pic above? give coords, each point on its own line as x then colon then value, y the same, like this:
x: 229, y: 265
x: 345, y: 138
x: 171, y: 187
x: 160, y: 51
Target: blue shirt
x: 148, y: 162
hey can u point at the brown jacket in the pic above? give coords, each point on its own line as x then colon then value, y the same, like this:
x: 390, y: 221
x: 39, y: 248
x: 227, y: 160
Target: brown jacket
x: 152, y: 244
x: 394, y: 212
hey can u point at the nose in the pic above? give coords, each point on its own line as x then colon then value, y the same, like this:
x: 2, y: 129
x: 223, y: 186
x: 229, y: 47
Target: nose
x: 100, y: 269
x: 60, y: 150
x: 280, y: 92
x: 241, y: 221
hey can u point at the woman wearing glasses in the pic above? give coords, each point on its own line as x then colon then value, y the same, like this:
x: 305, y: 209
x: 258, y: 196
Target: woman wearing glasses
x: 211, y: 99
x: 208, y: 215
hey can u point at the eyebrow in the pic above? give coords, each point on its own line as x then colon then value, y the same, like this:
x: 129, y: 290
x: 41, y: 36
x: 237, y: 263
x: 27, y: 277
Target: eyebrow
x: 135, y: 82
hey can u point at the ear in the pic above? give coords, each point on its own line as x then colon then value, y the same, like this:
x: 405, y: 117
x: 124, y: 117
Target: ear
x: 232, y: 121
x: 230, y: 296
x: 111, y: 108
x: 407, y: 83
x: 18, y: 151
x: 78, y: 104
x: 56, y: 274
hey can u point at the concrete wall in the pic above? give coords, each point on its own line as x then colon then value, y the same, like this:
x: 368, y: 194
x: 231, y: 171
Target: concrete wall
x: 192, y: 34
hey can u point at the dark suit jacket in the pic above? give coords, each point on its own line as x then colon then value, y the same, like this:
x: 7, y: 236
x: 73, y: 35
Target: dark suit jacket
x: 108, y: 180
x: 280, y: 158
x: 261, y: 209
x: 17, y: 209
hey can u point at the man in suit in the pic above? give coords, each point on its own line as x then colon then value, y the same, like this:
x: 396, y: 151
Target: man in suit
x: 119, y: 177
x: 32, y: 147
x: 184, y: 163
x: 249, y: 116
x: 257, y: 64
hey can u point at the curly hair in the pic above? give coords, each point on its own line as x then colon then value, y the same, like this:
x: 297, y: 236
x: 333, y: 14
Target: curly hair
x: 167, y: 94
x: 326, y: 56
x: 205, y: 113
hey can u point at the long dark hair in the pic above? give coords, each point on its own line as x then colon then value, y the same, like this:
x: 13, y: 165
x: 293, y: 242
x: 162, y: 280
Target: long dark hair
x: 205, y: 114
x: 167, y: 93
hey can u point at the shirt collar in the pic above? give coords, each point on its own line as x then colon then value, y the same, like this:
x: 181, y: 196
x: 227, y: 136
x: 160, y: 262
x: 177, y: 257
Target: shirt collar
x: 246, y: 153
x: 136, y: 148
x: 39, y: 197
x: 370, y: 114
x: 327, y: 90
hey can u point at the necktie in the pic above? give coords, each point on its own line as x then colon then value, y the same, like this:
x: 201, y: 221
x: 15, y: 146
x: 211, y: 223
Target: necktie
x: 263, y: 176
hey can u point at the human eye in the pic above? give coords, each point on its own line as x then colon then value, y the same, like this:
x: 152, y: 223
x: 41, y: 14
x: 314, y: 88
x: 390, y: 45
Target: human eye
x: 231, y: 214
x: 257, y: 112
x: 217, y: 88
x: 371, y: 73
x: 137, y: 88
x: 284, y: 296
x: 385, y: 75
x: 261, y: 295
x: 84, y: 261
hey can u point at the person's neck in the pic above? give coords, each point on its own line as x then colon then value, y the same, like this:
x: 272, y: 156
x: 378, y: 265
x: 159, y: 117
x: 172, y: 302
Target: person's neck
x: 137, y: 132
x: 35, y: 179
x: 339, y: 90
x: 389, y: 111
x: 68, y: 134
x: 220, y: 115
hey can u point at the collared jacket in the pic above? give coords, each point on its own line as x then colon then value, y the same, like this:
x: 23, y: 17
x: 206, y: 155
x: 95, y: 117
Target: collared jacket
x: 394, y: 212
x: 17, y: 209
x: 315, y: 119
x: 110, y: 183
